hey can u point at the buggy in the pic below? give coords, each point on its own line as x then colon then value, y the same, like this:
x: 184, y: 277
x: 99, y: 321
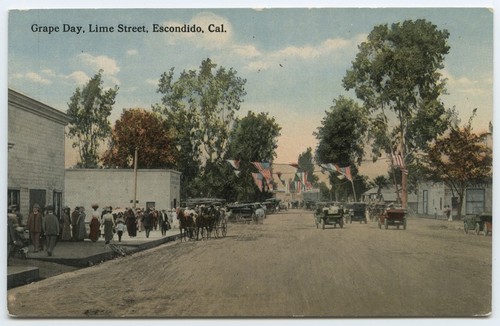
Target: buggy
x: 479, y: 223
x: 242, y: 213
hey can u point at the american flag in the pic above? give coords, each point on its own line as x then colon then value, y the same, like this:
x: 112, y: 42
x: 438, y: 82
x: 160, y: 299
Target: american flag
x: 264, y: 168
x: 257, y: 178
x: 399, y: 162
x: 344, y: 171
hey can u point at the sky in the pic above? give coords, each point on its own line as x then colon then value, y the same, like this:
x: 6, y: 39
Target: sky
x: 293, y: 59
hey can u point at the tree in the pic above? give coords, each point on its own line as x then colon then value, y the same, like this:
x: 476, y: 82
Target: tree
x: 341, y: 139
x: 398, y: 70
x: 202, y: 106
x: 459, y: 158
x: 306, y: 164
x: 149, y: 134
x: 381, y: 182
x: 88, y: 112
x: 341, y: 134
x: 254, y: 138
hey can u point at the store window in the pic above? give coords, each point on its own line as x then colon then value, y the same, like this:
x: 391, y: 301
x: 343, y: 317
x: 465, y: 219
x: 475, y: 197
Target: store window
x: 474, y: 201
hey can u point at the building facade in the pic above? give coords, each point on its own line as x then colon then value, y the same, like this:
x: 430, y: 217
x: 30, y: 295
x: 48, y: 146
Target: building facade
x: 117, y: 188
x: 36, y: 153
x: 433, y: 199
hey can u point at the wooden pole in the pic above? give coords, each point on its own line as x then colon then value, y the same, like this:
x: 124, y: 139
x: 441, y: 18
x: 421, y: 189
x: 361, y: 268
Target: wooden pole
x: 135, y: 177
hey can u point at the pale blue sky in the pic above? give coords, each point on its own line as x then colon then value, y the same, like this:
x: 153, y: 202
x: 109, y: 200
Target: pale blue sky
x: 293, y: 59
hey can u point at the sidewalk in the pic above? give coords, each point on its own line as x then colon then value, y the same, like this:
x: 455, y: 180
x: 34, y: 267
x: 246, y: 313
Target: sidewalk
x: 87, y: 253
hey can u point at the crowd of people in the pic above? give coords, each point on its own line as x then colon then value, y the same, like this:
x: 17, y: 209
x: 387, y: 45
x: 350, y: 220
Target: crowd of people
x: 45, y: 228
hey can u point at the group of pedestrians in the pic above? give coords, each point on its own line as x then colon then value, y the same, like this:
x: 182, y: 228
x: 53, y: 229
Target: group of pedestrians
x: 46, y: 229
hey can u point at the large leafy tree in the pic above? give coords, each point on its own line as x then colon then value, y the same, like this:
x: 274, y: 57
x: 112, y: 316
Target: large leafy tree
x: 145, y: 131
x: 201, y: 104
x: 341, y: 139
x: 396, y: 73
x: 88, y: 112
x: 306, y: 164
x: 458, y: 159
x: 254, y: 138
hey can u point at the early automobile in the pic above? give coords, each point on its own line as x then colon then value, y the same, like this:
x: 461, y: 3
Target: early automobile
x: 357, y: 212
x: 329, y: 214
x: 478, y: 223
x: 392, y: 216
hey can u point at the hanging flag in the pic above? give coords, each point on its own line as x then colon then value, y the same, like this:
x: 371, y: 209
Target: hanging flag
x: 234, y: 163
x: 399, y: 162
x: 298, y: 187
x: 264, y: 168
x: 279, y: 178
x: 346, y: 171
x: 257, y: 178
x: 328, y: 167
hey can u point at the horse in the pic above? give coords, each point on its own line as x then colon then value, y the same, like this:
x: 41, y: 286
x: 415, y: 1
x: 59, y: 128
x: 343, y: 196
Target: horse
x: 186, y: 223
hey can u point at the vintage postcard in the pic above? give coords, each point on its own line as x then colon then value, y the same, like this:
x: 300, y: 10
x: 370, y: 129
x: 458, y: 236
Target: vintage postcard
x: 252, y: 162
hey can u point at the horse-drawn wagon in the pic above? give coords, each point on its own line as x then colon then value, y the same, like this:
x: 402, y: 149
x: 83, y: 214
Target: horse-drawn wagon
x: 329, y: 214
x: 203, y: 216
x: 245, y: 212
x: 479, y: 223
x: 392, y: 216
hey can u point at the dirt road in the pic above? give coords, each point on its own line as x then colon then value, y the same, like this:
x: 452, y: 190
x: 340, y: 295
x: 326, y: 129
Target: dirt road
x: 282, y: 268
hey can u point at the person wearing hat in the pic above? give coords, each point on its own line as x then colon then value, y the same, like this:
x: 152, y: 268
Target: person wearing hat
x: 34, y: 225
x: 95, y: 223
x: 74, y: 223
x: 50, y: 226
x: 66, y: 224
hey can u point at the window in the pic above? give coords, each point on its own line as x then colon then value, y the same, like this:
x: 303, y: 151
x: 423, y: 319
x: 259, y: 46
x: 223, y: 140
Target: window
x: 14, y: 198
x: 56, y: 202
x: 474, y: 201
x: 425, y: 201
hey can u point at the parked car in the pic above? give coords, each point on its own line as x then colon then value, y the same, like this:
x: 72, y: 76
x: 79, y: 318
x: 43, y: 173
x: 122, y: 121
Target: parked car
x: 479, y: 223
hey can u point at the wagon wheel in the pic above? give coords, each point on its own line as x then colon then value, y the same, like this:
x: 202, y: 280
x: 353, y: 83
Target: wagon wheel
x: 466, y: 228
x: 477, y: 228
x: 485, y: 229
x: 386, y: 224
x: 323, y: 223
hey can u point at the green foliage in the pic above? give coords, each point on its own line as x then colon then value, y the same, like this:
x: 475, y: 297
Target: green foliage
x: 306, y: 164
x: 341, y: 134
x: 149, y: 134
x: 254, y: 138
x: 397, y: 69
x: 201, y: 105
x: 88, y: 112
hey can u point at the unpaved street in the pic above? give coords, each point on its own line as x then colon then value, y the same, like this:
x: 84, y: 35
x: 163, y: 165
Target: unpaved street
x: 282, y: 268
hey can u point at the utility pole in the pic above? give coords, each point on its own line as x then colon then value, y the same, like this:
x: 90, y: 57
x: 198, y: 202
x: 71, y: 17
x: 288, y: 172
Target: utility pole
x: 135, y: 177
